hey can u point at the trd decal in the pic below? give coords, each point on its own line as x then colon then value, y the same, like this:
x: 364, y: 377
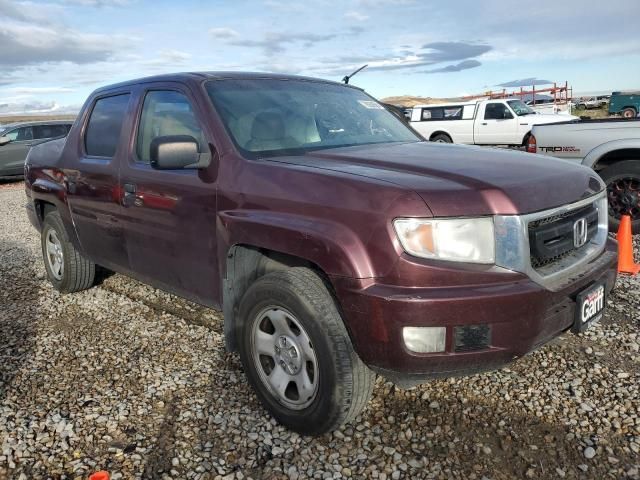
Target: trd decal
x: 559, y: 149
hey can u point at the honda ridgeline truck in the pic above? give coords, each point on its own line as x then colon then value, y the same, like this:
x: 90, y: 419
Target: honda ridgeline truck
x: 338, y: 243
x: 480, y: 122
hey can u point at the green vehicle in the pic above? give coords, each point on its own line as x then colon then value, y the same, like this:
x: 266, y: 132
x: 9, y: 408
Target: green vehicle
x: 626, y: 104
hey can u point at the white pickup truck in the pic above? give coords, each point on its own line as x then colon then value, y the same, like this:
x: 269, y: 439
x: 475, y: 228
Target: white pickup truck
x: 480, y: 122
x: 611, y: 147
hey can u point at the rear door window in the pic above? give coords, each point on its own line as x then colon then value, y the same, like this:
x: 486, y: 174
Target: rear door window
x: 49, y: 131
x: 20, y: 134
x: 105, y: 125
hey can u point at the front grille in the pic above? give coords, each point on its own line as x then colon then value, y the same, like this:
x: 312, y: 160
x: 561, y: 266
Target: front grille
x: 551, y: 239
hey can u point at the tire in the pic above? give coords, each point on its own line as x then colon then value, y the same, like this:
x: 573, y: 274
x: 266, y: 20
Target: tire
x: 68, y: 270
x: 442, y: 138
x: 623, y: 190
x: 629, y: 113
x: 298, y: 300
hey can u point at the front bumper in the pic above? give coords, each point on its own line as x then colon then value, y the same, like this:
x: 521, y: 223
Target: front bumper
x: 521, y: 314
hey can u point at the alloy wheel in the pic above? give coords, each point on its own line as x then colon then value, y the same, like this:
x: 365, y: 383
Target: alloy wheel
x: 55, y: 254
x: 284, y: 357
x: 624, y: 197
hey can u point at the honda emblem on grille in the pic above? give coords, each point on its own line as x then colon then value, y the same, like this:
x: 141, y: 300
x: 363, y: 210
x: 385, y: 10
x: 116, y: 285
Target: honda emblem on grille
x: 580, y: 232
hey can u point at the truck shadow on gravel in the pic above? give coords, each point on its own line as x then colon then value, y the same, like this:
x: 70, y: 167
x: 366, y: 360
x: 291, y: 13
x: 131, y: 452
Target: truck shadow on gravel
x: 159, y: 460
x: 19, y: 303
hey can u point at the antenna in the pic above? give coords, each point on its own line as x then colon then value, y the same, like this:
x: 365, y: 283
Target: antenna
x: 348, y: 77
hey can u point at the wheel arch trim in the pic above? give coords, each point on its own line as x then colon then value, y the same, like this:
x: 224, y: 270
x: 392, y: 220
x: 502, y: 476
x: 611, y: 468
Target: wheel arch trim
x: 599, y: 152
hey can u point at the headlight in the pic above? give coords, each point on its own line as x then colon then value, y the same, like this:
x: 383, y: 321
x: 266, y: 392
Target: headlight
x: 454, y: 239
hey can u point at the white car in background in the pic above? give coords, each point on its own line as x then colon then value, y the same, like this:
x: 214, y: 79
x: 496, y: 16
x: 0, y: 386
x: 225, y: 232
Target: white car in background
x: 480, y: 122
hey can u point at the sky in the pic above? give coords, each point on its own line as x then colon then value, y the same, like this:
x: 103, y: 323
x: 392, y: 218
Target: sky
x: 53, y: 53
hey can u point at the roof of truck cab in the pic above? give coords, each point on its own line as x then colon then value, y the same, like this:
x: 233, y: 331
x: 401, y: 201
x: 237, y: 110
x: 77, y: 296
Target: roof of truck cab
x: 447, y: 104
x: 184, y: 77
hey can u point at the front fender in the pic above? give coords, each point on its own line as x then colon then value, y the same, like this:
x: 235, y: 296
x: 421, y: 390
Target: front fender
x: 332, y: 246
x: 601, y: 150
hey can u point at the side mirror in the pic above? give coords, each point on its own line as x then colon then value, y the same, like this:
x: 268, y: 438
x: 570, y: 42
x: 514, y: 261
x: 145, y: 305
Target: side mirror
x: 4, y: 140
x: 506, y: 115
x: 175, y: 152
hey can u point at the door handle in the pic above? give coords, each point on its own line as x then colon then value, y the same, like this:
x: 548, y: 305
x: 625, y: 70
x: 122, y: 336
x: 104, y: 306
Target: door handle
x: 129, y: 197
x: 484, y: 123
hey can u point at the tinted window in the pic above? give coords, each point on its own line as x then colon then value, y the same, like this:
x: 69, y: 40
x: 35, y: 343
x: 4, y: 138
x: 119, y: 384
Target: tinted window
x: 49, y: 131
x: 19, y: 134
x: 496, y: 111
x: 105, y: 124
x: 442, y: 113
x: 432, y: 113
x: 166, y: 113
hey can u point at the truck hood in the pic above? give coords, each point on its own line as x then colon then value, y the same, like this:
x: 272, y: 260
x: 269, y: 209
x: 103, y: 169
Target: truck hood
x: 457, y: 180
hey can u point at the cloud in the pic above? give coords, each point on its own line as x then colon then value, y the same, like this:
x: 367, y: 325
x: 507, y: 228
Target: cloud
x: 458, y: 67
x: 36, y: 90
x: 223, y: 33
x: 451, y: 51
x: 385, y: 3
x: 357, y: 16
x: 433, y: 53
x: 35, y: 107
x: 29, y: 44
x: 273, y: 43
x: 284, y: 6
x: 99, y: 3
x: 41, y: 14
x: 168, y: 57
x: 525, y: 82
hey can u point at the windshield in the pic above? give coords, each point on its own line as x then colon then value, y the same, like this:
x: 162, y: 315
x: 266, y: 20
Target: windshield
x: 520, y: 108
x: 267, y: 117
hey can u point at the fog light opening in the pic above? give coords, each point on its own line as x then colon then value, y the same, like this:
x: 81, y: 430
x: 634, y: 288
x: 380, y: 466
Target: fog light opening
x: 425, y: 339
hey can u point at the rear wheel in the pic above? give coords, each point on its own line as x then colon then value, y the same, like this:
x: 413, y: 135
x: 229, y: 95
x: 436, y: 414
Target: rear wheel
x: 68, y: 270
x: 297, y: 353
x: 629, y: 113
x: 623, y: 191
x: 442, y: 138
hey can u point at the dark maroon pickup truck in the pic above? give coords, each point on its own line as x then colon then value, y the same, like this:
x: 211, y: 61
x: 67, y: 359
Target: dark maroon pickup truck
x: 338, y: 243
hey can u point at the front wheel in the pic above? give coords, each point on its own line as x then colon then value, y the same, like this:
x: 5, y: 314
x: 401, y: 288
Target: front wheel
x: 442, y: 138
x: 623, y: 192
x: 68, y: 270
x: 628, y: 113
x: 298, y: 355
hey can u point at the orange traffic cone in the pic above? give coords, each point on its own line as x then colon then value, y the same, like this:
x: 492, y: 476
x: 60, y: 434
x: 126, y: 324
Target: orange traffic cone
x: 625, y: 248
x: 101, y: 475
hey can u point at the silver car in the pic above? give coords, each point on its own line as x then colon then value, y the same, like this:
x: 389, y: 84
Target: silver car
x: 17, y: 138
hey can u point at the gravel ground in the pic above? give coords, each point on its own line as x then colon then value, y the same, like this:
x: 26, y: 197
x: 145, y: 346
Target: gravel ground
x: 129, y: 379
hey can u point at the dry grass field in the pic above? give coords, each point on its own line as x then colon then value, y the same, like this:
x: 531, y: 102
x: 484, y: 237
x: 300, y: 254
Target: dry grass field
x: 4, y: 119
